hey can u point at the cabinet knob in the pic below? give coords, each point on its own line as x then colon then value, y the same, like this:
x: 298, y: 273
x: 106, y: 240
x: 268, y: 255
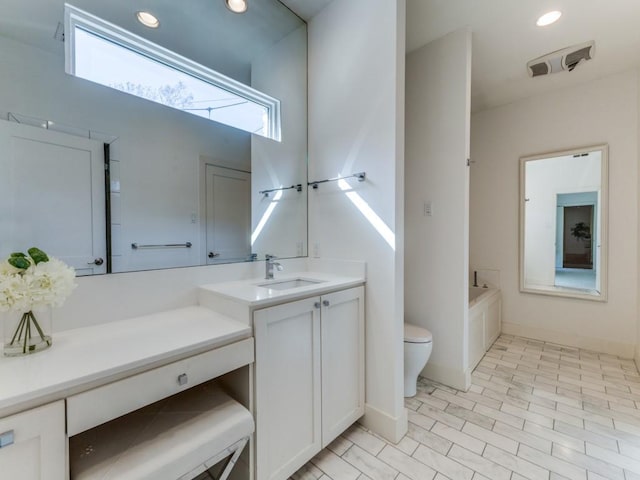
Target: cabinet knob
x: 326, y: 303
x: 98, y: 261
x: 6, y: 439
x: 183, y: 379
x: 316, y: 305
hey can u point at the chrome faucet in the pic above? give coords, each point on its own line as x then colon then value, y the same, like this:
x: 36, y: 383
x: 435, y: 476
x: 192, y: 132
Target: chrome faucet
x: 269, y: 264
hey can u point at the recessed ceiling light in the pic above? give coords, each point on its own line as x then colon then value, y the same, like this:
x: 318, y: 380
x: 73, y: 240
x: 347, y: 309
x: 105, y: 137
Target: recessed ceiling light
x: 237, y: 6
x: 549, y: 18
x: 148, y: 19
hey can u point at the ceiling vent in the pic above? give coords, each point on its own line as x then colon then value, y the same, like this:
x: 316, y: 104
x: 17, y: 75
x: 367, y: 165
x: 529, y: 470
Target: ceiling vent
x: 565, y: 59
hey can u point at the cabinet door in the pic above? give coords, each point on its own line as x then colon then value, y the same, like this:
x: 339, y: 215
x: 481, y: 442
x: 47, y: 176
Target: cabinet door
x: 38, y: 450
x: 342, y: 361
x: 287, y: 387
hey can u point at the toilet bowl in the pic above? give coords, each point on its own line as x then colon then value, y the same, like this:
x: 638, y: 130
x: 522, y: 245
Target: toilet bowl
x: 417, y: 350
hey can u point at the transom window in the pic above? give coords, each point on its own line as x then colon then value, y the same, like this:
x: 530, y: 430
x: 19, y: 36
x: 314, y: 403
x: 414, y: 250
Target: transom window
x: 101, y: 52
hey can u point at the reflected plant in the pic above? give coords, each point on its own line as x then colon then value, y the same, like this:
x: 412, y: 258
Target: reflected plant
x: 581, y: 231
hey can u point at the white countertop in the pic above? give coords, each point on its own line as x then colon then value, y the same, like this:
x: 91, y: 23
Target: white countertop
x: 87, y: 357
x: 253, y: 294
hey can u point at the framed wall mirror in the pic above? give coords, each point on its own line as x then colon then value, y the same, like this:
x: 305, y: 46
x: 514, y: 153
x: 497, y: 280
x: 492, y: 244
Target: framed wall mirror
x: 563, y: 223
x: 112, y: 173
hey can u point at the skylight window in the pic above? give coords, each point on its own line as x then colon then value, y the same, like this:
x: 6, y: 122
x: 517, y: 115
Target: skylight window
x: 106, y: 54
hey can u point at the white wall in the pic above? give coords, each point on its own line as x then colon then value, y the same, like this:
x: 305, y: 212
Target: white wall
x: 437, y: 125
x: 356, y: 103
x: 106, y: 298
x: 602, y: 111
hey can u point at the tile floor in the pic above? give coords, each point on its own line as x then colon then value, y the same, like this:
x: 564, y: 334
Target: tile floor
x: 535, y: 411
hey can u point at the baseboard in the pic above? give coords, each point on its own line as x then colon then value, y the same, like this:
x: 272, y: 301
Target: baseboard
x: 624, y: 350
x: 391, y: 428
x: 454, y: 378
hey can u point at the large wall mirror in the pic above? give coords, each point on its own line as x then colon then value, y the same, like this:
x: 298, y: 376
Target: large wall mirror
x: 109, y: 181
x: 563, y: 223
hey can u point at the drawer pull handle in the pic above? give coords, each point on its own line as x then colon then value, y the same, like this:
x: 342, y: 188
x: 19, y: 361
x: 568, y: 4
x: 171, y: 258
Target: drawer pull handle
x: 183, y: 379
x: 6, y: 439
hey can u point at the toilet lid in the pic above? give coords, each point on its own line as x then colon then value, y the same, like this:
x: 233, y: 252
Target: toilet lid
x: 415, y: 334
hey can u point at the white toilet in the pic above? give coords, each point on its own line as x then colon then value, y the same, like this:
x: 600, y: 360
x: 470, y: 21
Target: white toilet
x: 417, y: 350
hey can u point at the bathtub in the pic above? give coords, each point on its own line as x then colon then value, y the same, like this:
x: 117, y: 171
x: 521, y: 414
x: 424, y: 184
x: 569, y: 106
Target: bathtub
x: 485, y: 322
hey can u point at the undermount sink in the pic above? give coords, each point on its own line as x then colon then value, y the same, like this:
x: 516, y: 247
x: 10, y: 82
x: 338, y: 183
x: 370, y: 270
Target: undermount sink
x: 290, y: 283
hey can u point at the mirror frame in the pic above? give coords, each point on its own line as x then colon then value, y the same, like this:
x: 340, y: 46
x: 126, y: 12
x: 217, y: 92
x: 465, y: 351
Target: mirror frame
x: 568, y: 292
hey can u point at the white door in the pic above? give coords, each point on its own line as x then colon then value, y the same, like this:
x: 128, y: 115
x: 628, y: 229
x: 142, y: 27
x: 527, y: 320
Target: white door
x: 228, y: 214
x: 287, y: 387
x: 342, y: 332
x: 52, y: 196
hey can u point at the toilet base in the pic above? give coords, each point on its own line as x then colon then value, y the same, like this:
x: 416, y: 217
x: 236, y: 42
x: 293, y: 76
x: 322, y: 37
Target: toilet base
x: 410, y: 389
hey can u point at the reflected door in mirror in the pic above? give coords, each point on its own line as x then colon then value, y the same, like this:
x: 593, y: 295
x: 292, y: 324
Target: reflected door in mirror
x: 52, y: 196
x: 228, y: 215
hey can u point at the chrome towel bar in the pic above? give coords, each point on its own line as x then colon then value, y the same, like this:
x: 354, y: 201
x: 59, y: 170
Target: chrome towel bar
x: 361, y: 176
x: 137, y: 246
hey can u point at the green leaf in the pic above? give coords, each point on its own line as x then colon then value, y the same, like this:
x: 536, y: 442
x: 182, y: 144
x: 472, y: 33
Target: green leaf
x: 37, y: 255
x: 17, y: 254
x: 19, y: 262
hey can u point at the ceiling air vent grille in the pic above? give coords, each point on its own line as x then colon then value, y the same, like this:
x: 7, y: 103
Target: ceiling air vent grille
x: 565, y: 59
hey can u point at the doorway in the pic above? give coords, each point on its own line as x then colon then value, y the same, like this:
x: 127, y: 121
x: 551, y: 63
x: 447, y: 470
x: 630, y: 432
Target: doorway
x: 577, y: 228
x: 576, y: 234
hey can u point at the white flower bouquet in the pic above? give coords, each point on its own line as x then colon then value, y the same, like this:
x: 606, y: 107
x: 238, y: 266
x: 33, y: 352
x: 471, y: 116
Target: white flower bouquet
x: 29, y: 283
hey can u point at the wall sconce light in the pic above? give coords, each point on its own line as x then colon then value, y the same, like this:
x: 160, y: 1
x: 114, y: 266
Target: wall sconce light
x: 237, y: 6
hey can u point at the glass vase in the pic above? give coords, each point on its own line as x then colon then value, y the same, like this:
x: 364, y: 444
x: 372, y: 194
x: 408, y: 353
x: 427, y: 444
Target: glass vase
x: 26, y: 332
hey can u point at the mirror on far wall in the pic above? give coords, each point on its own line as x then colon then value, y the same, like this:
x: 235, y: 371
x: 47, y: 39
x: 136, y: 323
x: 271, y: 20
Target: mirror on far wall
x: 111, y: 182
x: 563, y: 223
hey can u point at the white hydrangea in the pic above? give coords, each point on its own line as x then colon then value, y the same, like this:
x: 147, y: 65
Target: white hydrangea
x: 47, y: 283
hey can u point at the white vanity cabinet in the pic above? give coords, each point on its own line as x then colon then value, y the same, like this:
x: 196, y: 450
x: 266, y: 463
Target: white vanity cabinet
x: 33, y: 444
x: 309, y: 377
x: 55, y: 400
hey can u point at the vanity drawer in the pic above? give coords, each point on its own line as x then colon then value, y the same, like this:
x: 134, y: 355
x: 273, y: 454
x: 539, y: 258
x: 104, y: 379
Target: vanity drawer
x: 95, y: 407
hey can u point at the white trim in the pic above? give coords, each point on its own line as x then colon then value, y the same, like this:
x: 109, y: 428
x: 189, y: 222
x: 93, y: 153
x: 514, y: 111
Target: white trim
x: 76, y: 18
x: 383, y: 424
x: 596, y: 344
x: 459, y: 379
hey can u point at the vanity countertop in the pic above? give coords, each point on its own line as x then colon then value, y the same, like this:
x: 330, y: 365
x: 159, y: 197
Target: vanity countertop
x: 84, y: 358
x: 256, y: 292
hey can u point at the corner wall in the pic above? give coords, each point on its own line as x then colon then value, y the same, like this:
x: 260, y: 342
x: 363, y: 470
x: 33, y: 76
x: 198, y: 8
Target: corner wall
x: 601, y: 111
x: 356, y: 96
x: 437, y: 244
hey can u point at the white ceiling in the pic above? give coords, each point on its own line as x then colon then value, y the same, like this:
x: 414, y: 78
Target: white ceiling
x: 505, y: 38
x: 306, y: 9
